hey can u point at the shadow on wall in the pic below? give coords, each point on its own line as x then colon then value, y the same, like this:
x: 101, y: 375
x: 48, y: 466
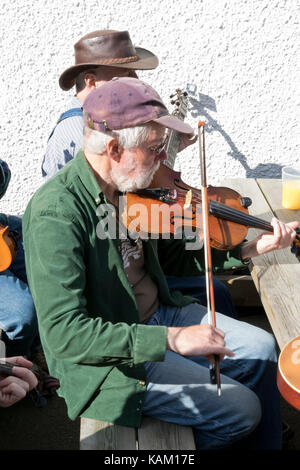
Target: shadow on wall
x: 202, y: 107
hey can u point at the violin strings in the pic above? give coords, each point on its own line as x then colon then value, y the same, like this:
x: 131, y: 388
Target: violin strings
x: 234, y: 215
x: 230, y: 213
x: 240, y: 217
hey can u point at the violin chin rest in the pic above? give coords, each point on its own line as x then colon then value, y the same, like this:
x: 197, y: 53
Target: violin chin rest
x: 246, y: 201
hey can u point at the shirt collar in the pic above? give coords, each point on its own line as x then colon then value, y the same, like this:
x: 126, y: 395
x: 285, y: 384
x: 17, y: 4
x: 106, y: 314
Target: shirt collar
x: 86, y: 175
x: 75, y: 102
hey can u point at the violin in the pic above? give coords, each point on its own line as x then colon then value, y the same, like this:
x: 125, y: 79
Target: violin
x: 288, y: 377
x: 8, y: 246
x: 169, y: 205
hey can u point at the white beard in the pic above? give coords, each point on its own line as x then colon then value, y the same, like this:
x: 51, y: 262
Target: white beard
x: 126, y: 184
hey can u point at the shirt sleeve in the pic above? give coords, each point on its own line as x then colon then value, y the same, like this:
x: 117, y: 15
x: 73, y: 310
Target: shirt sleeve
x: 56, y: 270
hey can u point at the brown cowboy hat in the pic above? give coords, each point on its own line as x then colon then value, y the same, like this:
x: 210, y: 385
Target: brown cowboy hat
x: 110, y: 48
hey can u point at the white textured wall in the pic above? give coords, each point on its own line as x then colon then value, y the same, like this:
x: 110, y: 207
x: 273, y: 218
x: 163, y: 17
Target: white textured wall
x: 243, y: 56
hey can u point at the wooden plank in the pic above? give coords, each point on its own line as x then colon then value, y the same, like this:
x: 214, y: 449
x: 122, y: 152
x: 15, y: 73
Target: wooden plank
x: 158, y: 435
x: 100, y: 435
x: 276, y: 274
x: 152, y: 435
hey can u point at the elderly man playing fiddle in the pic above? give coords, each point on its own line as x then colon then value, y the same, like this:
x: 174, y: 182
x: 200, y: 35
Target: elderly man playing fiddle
x: 121, y: 344
x: 100, y: 56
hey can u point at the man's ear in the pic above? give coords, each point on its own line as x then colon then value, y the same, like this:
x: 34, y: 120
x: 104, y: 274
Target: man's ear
x: 90, y: 80
x: 113, y: 149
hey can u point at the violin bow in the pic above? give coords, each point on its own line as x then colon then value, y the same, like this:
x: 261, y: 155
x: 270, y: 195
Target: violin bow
x: 214, y: 367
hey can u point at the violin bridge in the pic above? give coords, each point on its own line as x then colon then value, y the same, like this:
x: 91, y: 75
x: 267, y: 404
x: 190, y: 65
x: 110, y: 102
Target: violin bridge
x: 188, y: 199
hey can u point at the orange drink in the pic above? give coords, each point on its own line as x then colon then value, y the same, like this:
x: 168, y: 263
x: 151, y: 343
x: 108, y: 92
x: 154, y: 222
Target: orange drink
x: 291, y: 194
x: 291, y: 188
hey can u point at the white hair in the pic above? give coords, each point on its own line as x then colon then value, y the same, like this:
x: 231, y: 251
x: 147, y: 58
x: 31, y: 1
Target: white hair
x: 95, y: 141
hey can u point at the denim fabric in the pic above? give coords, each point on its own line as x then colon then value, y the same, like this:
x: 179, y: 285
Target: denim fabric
x: 247, y: 414
x: 17, y: 312
x: 195, y: 286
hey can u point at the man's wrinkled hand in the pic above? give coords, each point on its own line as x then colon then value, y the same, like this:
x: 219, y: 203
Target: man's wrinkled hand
x: 198, y: 340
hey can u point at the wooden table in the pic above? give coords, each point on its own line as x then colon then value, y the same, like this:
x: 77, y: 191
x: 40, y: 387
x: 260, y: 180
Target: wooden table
x: 277, y: 274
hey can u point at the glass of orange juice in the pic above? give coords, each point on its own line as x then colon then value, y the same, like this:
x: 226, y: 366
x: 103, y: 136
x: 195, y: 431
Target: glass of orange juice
x: 291, y: 187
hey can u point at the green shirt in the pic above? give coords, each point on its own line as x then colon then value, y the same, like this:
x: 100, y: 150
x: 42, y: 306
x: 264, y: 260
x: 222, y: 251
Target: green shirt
x: 88, y: 318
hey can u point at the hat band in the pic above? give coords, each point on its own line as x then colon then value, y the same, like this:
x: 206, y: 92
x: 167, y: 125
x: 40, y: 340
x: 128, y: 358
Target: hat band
x: 120, y: 60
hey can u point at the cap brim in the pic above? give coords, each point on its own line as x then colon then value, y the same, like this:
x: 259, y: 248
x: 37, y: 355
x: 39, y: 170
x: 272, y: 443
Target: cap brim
x: 147, y: 61
x: 172, y: 122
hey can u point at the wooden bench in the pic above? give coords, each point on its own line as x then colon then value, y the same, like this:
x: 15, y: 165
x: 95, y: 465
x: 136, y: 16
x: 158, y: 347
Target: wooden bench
x: 152, y: 435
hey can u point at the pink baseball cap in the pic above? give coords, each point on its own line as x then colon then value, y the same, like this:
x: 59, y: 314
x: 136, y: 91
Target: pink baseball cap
x: 128, y: 102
